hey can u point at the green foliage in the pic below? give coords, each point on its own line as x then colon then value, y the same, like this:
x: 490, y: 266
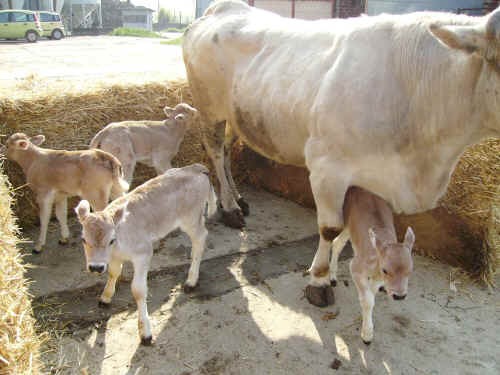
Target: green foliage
x: 174, y: 42
x: 129, y: 31
x: 164, y: 17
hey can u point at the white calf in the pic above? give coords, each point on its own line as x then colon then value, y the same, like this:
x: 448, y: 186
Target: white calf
x: 127, y: 228
x: 153, y: 143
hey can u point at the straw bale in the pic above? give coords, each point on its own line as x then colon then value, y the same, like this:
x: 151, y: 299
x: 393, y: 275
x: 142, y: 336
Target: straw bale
x: 70, y: 118
x: 19, y: 343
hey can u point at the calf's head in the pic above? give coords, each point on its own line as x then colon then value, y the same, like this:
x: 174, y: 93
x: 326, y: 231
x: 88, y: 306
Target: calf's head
x: 19, y: 143
x: 98, y: 235
x: 181, y: 113
x: 395, y: 263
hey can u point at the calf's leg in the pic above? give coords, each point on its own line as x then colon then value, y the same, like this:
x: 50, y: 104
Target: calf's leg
x: 62, y: 217
x: 337, y: 247
x: 161, y: 163
x: 45, y: 201
x: 366, y: 300
x: 140, y: 293
x: 114, y: 272
x: 198, y: 236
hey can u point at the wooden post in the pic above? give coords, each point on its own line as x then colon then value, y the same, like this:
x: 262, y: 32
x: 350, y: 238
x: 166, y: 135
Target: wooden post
x: 334, y: 6
x: 293, y: 8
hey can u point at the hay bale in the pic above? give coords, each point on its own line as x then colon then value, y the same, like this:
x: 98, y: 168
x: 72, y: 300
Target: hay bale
x: 19, y: 343
x: 70, y: 118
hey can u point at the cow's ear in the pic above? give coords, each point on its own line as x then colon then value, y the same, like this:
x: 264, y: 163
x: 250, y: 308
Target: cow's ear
x: 37, y: 140
x: 82, y: 210
x: 120, y: 214
x: 409, y: 238
x: 466, y: 38
x: 168, y: 111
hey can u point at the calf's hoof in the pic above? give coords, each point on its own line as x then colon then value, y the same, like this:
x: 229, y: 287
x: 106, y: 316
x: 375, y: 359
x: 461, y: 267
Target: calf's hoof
x: 233, y: 218
x: 367, y: 342
x: 147, y: 341
x: 320, y: 296
x: 382, y: 289
x: 333, y: 282
x: 63, y: 241
x: 36, y: 251
x: 104, y: 305
x: 188, y: 288
x: 245, y: 208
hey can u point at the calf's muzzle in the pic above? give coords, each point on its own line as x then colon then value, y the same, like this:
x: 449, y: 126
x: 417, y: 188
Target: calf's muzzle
x: 98, y: 268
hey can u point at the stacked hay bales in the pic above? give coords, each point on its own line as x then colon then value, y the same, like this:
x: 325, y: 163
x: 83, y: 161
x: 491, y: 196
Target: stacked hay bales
x: 19, y: 343
x: 70, y: 117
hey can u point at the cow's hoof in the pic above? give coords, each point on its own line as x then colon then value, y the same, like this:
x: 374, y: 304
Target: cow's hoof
x: 233, y: 219
x: 104, y: 305
x: 245, y: 208
x: 188, y: 288
x: 367, y: 342
x: 320, y: 296
x: 382, y: 289
x: 333, y: 282
x: 147, y: 341
x: 36, y: 252
x: 63, y: 241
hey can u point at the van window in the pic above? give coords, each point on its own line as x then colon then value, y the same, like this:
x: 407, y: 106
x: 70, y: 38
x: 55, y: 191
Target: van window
x: 4, y: 17
x: 19, y: 17
x: 44, y: 17
x: 57, y: 18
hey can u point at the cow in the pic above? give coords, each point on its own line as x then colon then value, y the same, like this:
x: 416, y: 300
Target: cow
x: 55, y: 175
x: 387, y: 103
x: 126, y: 229
x: 154, y: 143
x: 379, y: 262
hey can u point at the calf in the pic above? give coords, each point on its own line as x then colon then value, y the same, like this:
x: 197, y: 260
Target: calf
x: 154, y: 143
x: 379, y: 260
x: 54, y: 175
x: 126, y: 229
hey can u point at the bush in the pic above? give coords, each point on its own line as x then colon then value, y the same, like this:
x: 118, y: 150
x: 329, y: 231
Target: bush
x: 129, y: 31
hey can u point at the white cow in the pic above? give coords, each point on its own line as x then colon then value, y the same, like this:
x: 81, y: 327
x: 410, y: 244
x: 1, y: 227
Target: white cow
x: 126, y: 229
x: 387, y: 103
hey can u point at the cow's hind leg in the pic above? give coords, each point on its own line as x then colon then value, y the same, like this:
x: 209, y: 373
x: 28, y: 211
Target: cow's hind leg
x: 62, y: 217
x: 213, y: 140
x: 114, y: 272
x: 229, y: 140
x: 328, y: 192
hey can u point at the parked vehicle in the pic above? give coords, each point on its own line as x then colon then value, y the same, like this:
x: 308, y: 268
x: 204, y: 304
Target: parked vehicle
x: 52, y: 25
x: 18, y: 23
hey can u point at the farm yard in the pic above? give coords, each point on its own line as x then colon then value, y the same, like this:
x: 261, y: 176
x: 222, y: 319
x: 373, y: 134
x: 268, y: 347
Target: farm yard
x: 248, y: 314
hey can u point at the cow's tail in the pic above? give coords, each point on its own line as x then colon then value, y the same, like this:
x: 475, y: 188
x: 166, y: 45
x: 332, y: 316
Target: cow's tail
x: 120, y: 186
x: 212, y: 199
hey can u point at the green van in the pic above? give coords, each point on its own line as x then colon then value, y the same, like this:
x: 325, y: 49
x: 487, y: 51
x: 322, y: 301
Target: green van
x: 18, y: 23
x: 52, y: 25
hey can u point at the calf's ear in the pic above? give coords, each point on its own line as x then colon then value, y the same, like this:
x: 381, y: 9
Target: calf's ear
x: 120, y: 214
x: 168, y: 111
x: 37, y: 140
x: 376, y: 243
x: 82, y: 210
x: 409, y: 238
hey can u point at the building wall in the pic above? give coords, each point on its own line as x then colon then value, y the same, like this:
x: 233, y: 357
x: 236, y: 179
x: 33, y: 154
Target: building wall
x: 147, y: 24
x: 312, y: 9
x: 406, y: 6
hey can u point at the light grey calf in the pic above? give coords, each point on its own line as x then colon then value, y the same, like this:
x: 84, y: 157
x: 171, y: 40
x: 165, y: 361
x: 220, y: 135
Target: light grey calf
x: 153, y: 143
x: 126, y: 229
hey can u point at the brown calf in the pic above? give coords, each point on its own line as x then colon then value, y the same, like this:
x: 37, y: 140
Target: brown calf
x: 54, y: 175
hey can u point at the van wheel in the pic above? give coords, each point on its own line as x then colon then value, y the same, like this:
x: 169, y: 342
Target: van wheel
x: 31, y: 36
x: 56, y: 34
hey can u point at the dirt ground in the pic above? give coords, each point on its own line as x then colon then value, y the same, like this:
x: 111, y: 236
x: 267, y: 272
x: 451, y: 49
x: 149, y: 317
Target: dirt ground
x: 249, y: 315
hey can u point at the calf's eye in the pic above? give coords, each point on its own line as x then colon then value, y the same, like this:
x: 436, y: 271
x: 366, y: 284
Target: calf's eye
x: 83, y: 240
x: 384, y: 271
x: 112, y: 242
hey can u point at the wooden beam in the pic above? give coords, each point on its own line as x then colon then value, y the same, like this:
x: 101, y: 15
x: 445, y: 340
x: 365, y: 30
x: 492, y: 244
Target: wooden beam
x: 334, y: 8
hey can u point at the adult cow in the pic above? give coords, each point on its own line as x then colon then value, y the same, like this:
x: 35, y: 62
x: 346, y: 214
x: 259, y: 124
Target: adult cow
x: 387, y: 103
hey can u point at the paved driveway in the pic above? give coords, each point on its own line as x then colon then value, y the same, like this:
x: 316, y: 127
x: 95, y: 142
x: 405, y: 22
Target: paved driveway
x: 103, y: 58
